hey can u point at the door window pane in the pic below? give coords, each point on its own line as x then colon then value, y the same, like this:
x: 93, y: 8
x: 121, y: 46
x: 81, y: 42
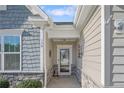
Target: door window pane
x: 64, y: 60
x: 11, y: 44
x: 12, y: 61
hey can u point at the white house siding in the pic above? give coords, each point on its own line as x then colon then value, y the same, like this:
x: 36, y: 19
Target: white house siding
x: 91, y: 48
x: 15, y: 17
x: 117, y: 46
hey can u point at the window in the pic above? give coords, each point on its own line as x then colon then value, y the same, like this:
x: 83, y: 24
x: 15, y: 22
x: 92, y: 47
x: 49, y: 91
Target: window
x: 11, y: 53
x: 10, y: 50
x: 11, y: 44
x: 12, y: 61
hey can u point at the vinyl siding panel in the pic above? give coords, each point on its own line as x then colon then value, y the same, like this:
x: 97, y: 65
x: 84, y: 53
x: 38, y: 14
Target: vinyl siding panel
x: 118, y: 15
x: 117, y: 50
x: 118, y: 84
x: 118, y: 78
x: 118, y: 60
x: 92, y: 47
x: 92, y: 59
x: 118, y: 69
x: 118, y: 42
x: 93, y: 20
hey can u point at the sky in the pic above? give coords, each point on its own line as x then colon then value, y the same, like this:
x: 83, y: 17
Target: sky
x: 60, y: 13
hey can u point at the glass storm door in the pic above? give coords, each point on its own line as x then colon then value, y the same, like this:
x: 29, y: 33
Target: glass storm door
x: 64, y: 61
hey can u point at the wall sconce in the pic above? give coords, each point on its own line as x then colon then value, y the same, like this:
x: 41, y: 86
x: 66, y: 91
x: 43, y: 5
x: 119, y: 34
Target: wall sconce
x: 119, y: 26
x: 50, y: 53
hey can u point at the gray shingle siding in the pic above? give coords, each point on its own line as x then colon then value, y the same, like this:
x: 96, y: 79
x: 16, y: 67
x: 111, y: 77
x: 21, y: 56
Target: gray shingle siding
x: 15, y: 17
x: 31, y: 50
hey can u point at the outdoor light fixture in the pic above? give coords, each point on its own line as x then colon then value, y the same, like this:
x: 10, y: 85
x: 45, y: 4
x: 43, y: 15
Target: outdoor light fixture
x: 119, y: 26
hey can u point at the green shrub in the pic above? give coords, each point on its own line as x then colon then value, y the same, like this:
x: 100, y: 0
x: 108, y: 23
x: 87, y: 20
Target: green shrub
x: 29, y: 84
x: 4, y: 83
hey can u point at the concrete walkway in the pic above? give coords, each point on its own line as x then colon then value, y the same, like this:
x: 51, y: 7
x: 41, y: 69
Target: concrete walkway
x: 63, y: 82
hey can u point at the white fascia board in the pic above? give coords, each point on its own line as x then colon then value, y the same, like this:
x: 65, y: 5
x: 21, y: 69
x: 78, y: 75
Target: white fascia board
x: 11, y: 31
x: 36, y: 18
x: 63, y: 28
x: 83, y: 16
x: 63, y: 34
x: 78, y: 10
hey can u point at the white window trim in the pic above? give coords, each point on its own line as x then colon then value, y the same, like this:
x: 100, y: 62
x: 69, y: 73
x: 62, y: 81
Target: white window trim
x: 10, y: 32
x: 3, y: 69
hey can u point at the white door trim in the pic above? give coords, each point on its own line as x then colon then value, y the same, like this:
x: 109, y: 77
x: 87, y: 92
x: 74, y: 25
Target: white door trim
x: 58, y: 58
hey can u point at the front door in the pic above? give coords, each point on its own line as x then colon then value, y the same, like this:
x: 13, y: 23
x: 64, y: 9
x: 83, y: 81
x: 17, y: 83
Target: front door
x: 64, y: 57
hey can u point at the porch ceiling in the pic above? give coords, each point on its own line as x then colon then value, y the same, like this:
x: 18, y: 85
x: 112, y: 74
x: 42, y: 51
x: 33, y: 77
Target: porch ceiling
x: 63, y: 35
x: 64, y: 40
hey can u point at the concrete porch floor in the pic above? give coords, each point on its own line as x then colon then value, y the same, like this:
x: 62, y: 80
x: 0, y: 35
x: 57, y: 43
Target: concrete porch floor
x: 63, y: 82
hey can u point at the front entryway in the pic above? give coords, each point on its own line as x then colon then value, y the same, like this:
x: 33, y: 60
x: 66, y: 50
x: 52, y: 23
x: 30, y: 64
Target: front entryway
x: 64, y: 59
x: 61, y: 60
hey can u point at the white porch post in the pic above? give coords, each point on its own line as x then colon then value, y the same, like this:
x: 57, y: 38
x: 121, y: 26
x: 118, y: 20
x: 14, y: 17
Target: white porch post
x: 44, y: 57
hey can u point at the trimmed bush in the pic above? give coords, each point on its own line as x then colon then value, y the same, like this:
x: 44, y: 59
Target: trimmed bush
x: 4, y: 83
x: 29, y: 84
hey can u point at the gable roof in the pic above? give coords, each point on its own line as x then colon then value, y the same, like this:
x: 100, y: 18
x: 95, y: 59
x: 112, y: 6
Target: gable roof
x: 39, y: 15
x: 37, y: 11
